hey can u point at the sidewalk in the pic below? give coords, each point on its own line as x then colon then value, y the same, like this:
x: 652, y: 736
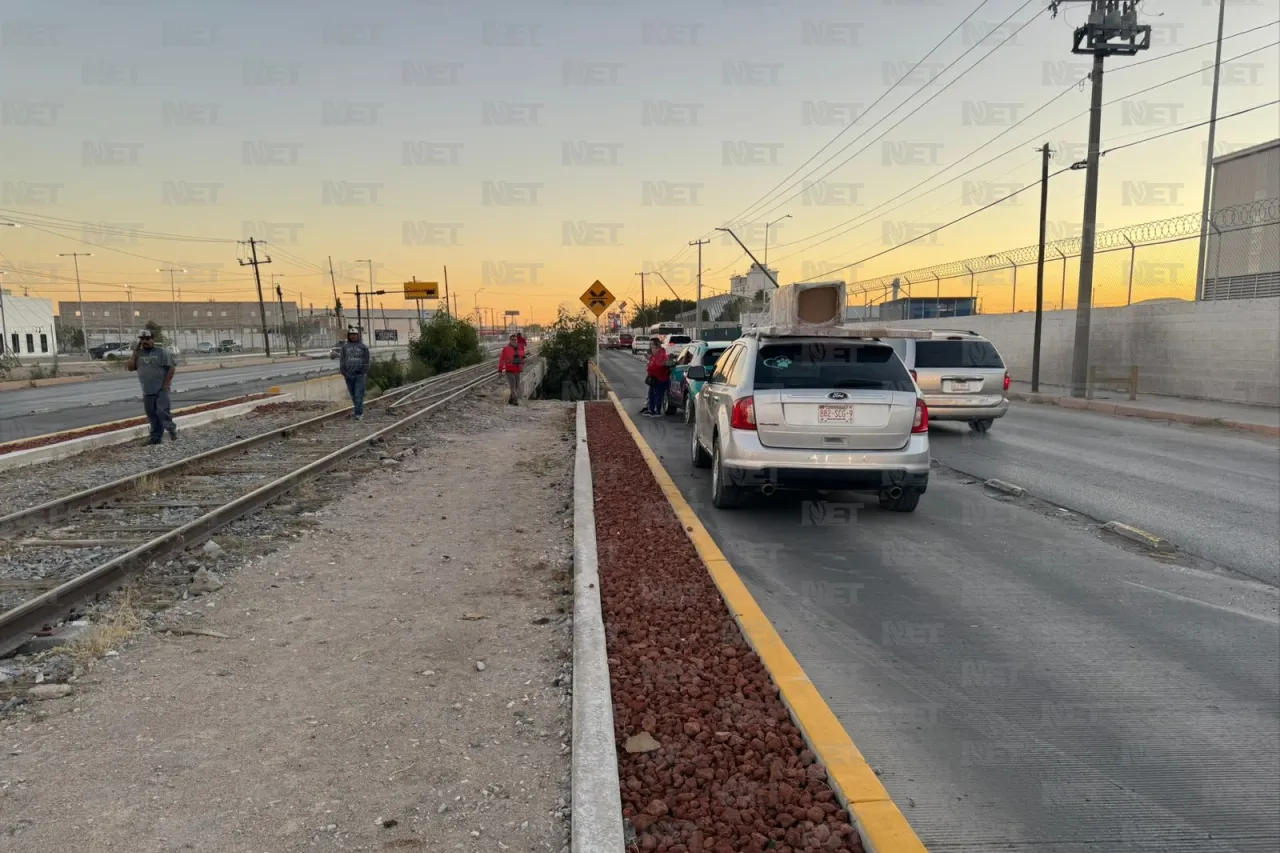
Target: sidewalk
x: 1260, y: 419
x: 393, y: 679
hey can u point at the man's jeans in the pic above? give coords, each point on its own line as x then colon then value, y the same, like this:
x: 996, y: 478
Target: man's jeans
x: 658, y: 397
x: 355, y: 387
x: 157, y: 409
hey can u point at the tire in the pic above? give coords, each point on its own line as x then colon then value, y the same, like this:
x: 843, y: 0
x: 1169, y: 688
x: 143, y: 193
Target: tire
x: 668, y: 407
x: 688, y: 408
x: 697, y: 454
x: 981, y: 425
x: 723, y: 495
x: 906, y: 502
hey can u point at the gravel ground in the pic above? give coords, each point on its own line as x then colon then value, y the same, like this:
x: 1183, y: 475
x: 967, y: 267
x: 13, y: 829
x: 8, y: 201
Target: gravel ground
x: 710, y: 760
x: 26, y: 487
x: 394, y: 677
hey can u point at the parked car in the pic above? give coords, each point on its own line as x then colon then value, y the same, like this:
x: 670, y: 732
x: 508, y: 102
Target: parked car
x: 674, y: 343
x: 101, y: 350
x: 961, y: 374
x: 829, y: 412
x: 206, y: 348
x: 639, y: 345
x: 123, y: 351
x: 229, y: 345
x: 682, y: 390
x: 336, y: 350
x: 625, y: 340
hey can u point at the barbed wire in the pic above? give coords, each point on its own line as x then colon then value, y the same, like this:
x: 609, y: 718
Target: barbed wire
x: 1247, y: 215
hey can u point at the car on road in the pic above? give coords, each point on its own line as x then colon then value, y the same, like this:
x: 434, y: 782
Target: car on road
x: 122, y: 351
x: 229, y: 345
x: 625, y: 340
x: 101, y: 350
x: 673, y: 343
x: 682, y: 390
x: 640, y: 345
x: 335, y: 351
x: 833, y: 411
x: 961, y: 374
x: 206, y: 348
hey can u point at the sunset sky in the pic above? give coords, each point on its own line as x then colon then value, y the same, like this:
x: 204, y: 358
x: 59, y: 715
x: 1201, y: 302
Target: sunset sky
x: 533, y: 147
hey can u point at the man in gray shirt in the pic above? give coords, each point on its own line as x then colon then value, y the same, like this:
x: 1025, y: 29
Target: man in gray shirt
x: 155, y: 368
x: 353, y: 363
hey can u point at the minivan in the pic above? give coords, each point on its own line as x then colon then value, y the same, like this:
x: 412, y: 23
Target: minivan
x: 961, y: 374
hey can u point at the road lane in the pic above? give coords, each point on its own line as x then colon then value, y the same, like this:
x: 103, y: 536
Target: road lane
x: 1020, y: 683
x: 1213, y: 491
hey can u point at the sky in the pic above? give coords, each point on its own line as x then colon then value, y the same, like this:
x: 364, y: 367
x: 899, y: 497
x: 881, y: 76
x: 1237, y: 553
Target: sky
x: 532, y: 148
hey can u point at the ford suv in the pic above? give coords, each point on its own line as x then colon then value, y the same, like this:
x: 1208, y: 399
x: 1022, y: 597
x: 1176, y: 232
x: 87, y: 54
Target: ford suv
x: 961, y: 374
x: 813, y: 411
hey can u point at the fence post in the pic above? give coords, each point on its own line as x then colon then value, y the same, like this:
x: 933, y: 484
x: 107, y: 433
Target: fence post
x: 1133, y: 382
x: 1092, y: 378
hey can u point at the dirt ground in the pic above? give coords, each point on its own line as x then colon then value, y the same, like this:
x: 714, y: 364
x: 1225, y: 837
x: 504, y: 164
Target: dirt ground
x: 395, y: 679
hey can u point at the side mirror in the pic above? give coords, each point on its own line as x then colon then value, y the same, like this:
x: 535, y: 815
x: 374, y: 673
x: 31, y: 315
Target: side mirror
x: 697, y: 372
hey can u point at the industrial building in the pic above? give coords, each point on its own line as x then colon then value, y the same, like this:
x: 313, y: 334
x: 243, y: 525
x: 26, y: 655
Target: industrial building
x: 182, y: 322
x: 1242, y: 260
x: 28, y: 325
x: 922, y: 307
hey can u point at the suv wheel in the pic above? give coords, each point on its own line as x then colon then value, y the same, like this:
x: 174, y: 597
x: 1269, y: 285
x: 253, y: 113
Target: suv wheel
x: 668, y: 407
x: 696, y: 453
x: 723, y: 495
x: 688, y: 408
x: 906, y: 502
x: 981, y: 425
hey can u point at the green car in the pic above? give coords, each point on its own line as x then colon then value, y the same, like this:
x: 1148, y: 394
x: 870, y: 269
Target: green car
x: 682, y: 390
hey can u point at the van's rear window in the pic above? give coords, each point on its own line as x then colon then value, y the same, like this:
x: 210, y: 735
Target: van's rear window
x: 978, y: 354
x: 830, y: 364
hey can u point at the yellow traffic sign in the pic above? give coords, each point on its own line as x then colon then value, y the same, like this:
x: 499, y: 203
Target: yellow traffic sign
x: 421, y: 290
x: 597, y: 298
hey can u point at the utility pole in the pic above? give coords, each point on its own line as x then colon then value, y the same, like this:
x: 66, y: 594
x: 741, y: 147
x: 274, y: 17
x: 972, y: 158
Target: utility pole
x: 284, y: 322
x: 759, y: 265
x: 698, y: 300
x: 253, y: 261
x: 1112, y: 29
x: 1206, y: 213
x: 642, y: 275
x: 1044, y: 214
x: 359, y: 315
x: 767, y: 226
x: 446, y: 290
x: 173, y: 296
x: 75, y: 258
x: 337, y: 301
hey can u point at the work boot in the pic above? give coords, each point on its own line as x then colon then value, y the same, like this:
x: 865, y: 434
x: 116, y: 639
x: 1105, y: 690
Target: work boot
x: 173, y: 433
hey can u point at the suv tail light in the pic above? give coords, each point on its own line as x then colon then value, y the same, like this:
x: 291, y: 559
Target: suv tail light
x: 1006, y: 380
x: 921, y: 423
x: 744, y: 414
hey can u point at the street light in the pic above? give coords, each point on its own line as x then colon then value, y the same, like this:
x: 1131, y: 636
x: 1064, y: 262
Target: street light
x: 76, y: 256
x: 173, y: 296
x: 359, y: 319
x: 767, y: 226
x: 4, y: 328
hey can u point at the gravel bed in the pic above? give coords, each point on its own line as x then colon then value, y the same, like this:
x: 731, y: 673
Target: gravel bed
x: 26, y: 487
x: 724, y: 769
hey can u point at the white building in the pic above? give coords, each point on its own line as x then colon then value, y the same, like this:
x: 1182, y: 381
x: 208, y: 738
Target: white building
x: 753, y: 282
x: 29, y: 328
x: 1242, y: 248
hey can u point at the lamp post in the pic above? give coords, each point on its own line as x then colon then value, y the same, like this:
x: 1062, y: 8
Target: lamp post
x: 173, y: 296
x: 767, y: 226
x: 76, y: 256
x: 359, y: 317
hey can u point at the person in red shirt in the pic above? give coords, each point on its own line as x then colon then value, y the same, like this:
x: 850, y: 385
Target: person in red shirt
x: 657, y: 377
x: 511, y: 362
x: 523, y: 343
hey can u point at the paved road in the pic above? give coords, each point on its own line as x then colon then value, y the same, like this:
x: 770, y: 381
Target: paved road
x: 1021, y: 683
x: 36, y: 411
x: 1212, y: 491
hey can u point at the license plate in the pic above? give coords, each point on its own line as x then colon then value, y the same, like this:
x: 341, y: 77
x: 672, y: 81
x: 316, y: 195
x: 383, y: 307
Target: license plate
x: 962, y: 387
x: 842, y: 414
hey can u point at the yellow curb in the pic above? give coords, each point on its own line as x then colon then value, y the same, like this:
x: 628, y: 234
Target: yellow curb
x: 879, y: 821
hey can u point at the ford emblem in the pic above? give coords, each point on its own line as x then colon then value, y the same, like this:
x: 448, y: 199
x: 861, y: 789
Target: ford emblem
x: 838, y: 395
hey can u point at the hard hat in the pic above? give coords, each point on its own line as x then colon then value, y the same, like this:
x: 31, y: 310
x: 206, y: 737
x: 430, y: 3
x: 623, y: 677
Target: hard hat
x: 352, y: 330
x: 145, y: 333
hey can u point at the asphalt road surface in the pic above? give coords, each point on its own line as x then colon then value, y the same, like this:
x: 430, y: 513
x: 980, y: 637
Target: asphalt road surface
x: 1021, y: 682
x: 37, y: 411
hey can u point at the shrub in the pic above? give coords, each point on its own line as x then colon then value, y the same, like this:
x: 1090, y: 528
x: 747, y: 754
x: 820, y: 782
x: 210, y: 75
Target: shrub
x: 387, y: 373
x: 447, y: 343
x: 567, y: 347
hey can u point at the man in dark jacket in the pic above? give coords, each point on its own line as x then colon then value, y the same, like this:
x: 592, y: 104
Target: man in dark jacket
x: 353, y: 364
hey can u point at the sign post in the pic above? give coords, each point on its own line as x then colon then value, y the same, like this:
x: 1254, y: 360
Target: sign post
x: 597, y: 299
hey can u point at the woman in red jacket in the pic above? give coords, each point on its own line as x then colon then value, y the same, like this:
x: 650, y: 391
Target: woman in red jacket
x: 511, y: 362
x: 657, y: 377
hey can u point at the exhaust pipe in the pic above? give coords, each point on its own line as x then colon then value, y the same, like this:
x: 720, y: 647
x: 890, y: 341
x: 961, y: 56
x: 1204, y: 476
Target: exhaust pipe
x: 894, y: 492
x: 768, y: 489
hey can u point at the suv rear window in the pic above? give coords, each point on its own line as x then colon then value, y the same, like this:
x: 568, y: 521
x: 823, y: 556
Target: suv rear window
x: 979, y: 354
x: 830, y: 364
x: 711, y: 356
x: 679, y: 339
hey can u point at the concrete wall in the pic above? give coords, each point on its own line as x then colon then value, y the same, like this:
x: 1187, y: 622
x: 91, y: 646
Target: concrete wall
x: 1225, y: 350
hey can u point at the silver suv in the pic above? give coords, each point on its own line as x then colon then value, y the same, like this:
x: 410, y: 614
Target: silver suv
x: 834, y: 411
x: 961, y: 374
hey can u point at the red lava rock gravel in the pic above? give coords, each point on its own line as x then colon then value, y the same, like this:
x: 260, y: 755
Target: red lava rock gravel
x: 732, y: 773
x: 58, y: 438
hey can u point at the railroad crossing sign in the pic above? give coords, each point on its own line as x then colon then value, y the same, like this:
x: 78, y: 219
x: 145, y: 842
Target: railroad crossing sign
x: 421, y: 290
x: 597, y: 298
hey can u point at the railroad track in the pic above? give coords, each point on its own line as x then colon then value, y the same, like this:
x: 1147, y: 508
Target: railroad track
x: 123, y: 526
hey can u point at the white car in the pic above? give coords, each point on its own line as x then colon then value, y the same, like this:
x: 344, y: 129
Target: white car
x: 640, y: 345
x: 673, y: 344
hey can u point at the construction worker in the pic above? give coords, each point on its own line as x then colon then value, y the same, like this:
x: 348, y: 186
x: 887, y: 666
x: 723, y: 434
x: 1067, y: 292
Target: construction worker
x: 155, y: 368
x: 353, y: 364
x: 511, y: 362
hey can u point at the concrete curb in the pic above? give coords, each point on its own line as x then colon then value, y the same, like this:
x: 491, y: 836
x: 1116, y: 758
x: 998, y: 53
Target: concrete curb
x: 1150, y: 541
x: 76, y: 446
x: 1121, y: 410
x: 1007, y: 488
x: 596, y: 791
x: 879, y: 822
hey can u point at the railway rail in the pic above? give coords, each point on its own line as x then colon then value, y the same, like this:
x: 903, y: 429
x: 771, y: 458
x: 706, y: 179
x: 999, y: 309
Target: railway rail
x: 131, y: 522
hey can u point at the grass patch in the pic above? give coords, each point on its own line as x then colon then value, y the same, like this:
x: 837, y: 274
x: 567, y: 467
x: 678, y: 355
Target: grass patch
x: 102, y: 637
x: 541, y: 464
x: 148, y: 485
